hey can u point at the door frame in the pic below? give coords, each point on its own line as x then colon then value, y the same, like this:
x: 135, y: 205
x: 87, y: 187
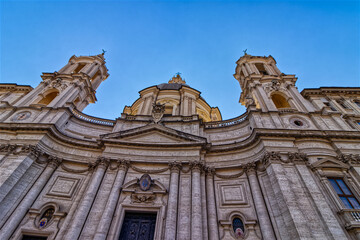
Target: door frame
x: 123, y: 208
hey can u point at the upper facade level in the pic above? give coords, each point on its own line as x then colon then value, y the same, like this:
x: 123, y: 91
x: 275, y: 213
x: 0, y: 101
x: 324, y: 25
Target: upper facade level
x: 266, y: 92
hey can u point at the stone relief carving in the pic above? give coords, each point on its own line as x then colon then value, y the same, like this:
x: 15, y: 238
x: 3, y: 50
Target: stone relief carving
x: 142, y: 198
x: 274, y: 85
x: 15, y: 149
x: 349, y: 158
x: 21, y: 116
x: 55, y: 83
x: 158, y: 112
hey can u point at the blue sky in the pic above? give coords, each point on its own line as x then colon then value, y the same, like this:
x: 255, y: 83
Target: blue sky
x: 147, y: 42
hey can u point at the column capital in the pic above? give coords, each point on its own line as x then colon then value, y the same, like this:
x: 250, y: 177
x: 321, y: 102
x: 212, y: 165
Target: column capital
x: 210, y: 171
x: 196, y: 166
x: 100, y: 162
x: 54, y: 161
x: 271, y: 157
x: 123, y: 164
x: 250, y: 168
x: 32, y: 150
x: 175, y: 166
x: 103, y: 162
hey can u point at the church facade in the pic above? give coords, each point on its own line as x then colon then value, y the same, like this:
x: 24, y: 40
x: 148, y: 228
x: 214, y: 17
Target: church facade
x: 170, y: 168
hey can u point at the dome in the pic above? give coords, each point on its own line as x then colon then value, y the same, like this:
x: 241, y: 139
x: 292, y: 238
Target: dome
x: 179, y: 100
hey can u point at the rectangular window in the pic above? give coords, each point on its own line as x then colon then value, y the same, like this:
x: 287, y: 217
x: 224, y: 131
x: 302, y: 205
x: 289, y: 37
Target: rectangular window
x: 344, y: 193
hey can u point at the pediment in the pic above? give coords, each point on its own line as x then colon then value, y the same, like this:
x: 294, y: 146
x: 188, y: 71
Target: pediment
x: 330, y: 163
x: 153, y: 134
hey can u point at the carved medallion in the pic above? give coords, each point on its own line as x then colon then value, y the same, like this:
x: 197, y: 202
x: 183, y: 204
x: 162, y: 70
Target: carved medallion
x: 145, y: 182
x: 158, y: 111
x: 21, y: 116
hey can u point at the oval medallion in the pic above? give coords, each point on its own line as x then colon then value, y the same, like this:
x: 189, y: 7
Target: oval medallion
x: 145, y: 182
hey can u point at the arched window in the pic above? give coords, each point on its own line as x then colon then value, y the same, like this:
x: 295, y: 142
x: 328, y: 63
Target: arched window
x: 280, y: 101
x: 260, y: 67
x: 49, y: 97
x: 238, y: 227
x: 46, y: 217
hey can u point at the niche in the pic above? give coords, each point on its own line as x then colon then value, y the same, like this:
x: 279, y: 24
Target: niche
x: 280, y: 101
x: 49, y: 97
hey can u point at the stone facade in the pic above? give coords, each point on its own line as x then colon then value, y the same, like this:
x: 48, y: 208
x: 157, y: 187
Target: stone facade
x: 67, y: 175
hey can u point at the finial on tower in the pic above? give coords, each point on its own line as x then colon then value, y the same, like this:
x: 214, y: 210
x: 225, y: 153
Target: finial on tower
x: 103, y: 51
x: 245, y: 51
x: 177, y: 79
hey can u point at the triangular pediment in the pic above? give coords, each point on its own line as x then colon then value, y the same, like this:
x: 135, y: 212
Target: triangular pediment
x: 153, y: 134
x: 330, y: 163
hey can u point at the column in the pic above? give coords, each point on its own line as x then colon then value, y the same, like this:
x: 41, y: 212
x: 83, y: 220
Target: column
x: 104, y: 224
x: 70, y: 69
x: 203, y: 205
x: 96, y: 82
x: 196, y: 215
x: 244, y: 71
x: 94, y: 70
x: 260, y: 207
x: 247, y: 66
x: 184, y: 208
x: 171, y: 214
x: 66, y: 96
x: 186, y: 106
x: 20, y: 212
x: 87, y: 68
x: 85, y: 205
x: 211, y: 207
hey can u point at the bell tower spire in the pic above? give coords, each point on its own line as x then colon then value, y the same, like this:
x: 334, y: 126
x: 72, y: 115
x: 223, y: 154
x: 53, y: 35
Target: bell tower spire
x: 75, y: 83
x: 265, y: 87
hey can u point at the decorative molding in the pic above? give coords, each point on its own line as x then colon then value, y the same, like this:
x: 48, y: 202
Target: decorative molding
x: 148, y: 171
x: 298, y: 157
x: 15, y: 149
x: 68, y: 169
x: 237, y: 175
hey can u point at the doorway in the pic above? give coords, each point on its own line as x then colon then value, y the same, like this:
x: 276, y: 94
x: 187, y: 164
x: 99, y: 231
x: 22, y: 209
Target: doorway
x: 138, y: 226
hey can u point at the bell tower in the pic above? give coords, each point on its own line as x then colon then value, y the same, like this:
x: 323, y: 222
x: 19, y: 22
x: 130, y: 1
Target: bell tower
x: 75, y: 83
x: 266, y: 88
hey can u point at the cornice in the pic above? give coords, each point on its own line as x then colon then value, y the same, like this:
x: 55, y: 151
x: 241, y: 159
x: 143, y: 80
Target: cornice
x: 284, y: 133
x: 51, y: 130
